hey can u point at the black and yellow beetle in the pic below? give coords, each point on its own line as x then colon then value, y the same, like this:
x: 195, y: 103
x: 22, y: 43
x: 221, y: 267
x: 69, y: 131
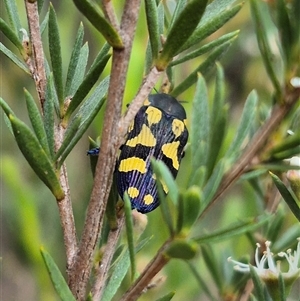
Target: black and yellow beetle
x: 157, y: 131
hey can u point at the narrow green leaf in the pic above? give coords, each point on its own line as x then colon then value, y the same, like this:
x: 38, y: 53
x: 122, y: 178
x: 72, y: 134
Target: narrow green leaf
x: 263, y: 44
x: 33, y: 152
x: 119, y: 272
x: 181, y: 30
x: 246, y: 121
x: 36, y: 121
x: 180, y: 213
x: 57, y: 278
x: 168, y: 179
x: 74, y: 59
x: 287, y: 196
x: 55, y: 55
x: 36, y: 156
x: 110, y: 211
x: 181, y: 249
x: 87, y: 113
x: 295, y: 20
x: 212, y: 265
x: 211, y: 24
x: 178, y: 9
x: 40, y: 5
x: 164, y: 206
x: 8, y: 124
x: 91, y: 12
x: 13, y: 16
x: 10, y: 34
x: 218, y: 121
x: 258, y: 285
x: 167, y: 297
x: 152, y: 22
x: 51, y: 88
x: 203, y: 68
x: 198, y: 177
x: 44, y: 23
x: 286, y: 144
x: 14, y: 58
x: 219, y: 92
x: 129, y: 232
x: 230, y: 37
x: 288, y: 239
x: 86, y: 85
x: 49, y: 114
x: 285, y: 30
x: 294, y: 151
x: 217, y: 138
x: 161, y: 18
x: 201, y: 281
x: 8, y: 111
x: 214, y: 9
x: 234, y: 229
x: 80, y: 69
x: 213, y: 183
x: 200, y: 126
x: 191, y: 208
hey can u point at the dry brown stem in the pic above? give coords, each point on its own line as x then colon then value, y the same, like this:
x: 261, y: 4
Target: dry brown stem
x: 154, y: 266
x: 38, y: 68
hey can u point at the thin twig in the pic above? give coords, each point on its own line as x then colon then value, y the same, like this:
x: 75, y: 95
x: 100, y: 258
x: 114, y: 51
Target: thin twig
x: 257, y: 142
x: 102, y: 271
x: 106, y: 161
x: 110, y: 13
x: 65, y: 207
x: 38, y: 70
x: 154, y: 266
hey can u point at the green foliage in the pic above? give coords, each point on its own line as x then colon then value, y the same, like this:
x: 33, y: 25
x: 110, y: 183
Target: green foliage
x: 57, y: 278
x: 229, y: 142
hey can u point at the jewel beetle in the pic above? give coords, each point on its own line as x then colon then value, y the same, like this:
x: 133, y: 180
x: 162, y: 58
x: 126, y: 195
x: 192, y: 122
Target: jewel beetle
x: 158, y: 131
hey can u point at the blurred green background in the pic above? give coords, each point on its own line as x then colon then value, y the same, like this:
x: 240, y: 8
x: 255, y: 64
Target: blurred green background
x: 29, y: 215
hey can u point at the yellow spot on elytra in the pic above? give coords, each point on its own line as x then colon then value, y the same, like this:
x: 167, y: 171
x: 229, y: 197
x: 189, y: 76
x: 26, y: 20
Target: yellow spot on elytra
x: 148, y: 199
x: 133, y: 192
x: 145, y: 137
x: 130, y: 128
x: 177, y: 127
x: 170, y: 150
x: 147, y: 102
x: 153, y: 115
x: 133, y: 163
